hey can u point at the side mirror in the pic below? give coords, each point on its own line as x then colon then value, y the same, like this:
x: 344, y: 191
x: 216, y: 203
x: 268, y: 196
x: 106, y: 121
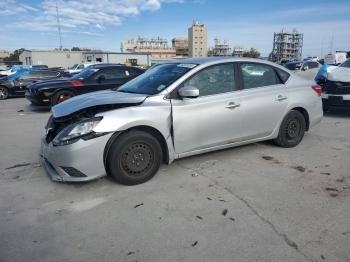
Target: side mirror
x: 189, y: 92
x: 101, y: 78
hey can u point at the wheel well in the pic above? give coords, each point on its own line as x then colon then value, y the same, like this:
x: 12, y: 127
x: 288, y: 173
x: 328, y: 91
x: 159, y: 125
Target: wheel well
x: 150, y: 130
x: 305, y: 114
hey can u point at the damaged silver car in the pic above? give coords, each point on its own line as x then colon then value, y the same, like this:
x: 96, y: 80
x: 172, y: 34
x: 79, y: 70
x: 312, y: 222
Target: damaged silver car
x: 175, y: 110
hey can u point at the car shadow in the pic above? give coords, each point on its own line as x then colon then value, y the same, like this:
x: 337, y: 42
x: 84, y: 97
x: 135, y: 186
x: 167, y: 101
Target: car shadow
x: 37, y: 109
x: 344, y: 113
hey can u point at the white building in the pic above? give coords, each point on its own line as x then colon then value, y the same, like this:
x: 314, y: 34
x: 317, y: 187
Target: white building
x: 53, y: 58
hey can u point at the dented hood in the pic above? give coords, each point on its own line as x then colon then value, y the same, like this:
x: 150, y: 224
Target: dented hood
x: 108, y: 97
x: 341, y: 74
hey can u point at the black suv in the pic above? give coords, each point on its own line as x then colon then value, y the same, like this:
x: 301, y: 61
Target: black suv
x: 16, y: 84
x: 94, y: 78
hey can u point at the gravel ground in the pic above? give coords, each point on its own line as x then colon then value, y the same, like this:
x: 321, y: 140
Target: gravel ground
x: 252, y: 203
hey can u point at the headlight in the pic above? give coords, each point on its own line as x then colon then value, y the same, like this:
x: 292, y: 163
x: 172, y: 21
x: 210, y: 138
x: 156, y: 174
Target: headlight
x: 74, y: 132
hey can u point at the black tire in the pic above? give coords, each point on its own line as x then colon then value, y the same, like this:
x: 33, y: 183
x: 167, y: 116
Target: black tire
x: 61, y: 96
x: 292, y: 129
x: 4, y: 93
x: 134, y: 158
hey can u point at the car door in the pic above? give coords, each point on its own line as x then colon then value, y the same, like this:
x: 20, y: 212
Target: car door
x: 212, y: 119
x: 264, y: 98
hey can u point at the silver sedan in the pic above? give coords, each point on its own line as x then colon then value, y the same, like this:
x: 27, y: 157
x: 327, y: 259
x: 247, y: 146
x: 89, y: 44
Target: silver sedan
x: 176, y: 110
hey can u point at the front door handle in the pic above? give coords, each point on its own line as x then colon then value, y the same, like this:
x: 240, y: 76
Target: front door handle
x: 232, y: 105
x: 281, y: 98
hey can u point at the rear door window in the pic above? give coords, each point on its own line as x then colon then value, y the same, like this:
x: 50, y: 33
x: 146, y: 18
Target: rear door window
x: 258, y: 75
x: 48, y: 74
x: 112, y: 73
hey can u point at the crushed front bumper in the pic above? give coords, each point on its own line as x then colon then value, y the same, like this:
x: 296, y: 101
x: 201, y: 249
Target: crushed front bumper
x: 77, y: 162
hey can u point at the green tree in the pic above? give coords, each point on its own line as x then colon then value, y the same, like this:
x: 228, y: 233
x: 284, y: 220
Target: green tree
x: 75, y: 48
x: 14, y: 57
x: 253, y: 53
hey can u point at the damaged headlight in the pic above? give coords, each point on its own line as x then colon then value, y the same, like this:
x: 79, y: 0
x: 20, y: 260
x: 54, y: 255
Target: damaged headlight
x: 74, y: 132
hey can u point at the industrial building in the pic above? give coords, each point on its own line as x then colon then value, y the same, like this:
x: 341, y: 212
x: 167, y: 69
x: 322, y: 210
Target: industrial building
x: 220, y: 48
x: 56, y: 58
x: 157, y: 47
x: 180, y: 44
x: 238, y: 51
x: 287, y: 46
x: 198, y: 40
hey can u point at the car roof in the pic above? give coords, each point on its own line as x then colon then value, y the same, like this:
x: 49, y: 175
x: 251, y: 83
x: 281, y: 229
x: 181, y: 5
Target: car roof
x: 222, y: 59
x: 104, y: 65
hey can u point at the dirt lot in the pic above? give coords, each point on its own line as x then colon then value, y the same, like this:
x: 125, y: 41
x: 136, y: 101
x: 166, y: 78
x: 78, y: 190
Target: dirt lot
x: 253, y: 203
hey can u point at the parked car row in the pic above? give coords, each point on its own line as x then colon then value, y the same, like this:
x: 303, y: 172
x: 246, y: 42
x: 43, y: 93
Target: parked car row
x: 52, y: 86
x: 173, y: 110
x: 17, y: 83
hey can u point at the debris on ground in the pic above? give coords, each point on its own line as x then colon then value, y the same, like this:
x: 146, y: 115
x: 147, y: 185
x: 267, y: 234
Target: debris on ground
x: 138, y: 205
x: 21, y: 110
x: 194, y: 244
x: 232, y: 218
x: 267, y: 157
x: 224, y: 212
x: 209, y: 198
x: 17, y: 165
x: 194, y: 174
x: 131, y: 253
x: 331, y: 189
x: 199, y: 217
x: 299, y: 168
x: 326, y: 173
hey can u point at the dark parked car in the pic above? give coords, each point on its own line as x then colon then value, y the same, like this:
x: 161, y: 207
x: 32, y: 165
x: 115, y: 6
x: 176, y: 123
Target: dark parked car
x: 16, y: 84
x: 94, y: 78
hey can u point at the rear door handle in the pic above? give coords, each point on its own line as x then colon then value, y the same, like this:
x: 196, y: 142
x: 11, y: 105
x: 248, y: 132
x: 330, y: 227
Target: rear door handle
x: 232, y: 105
x: 281, y: 98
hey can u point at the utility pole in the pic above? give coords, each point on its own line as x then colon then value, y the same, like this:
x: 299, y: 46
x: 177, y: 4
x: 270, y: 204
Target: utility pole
x: 59, y: 28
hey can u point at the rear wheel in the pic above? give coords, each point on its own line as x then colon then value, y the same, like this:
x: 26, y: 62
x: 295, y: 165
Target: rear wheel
x: 134, y: 158
x: 4, y: 93
x: 292, y: 129
x: 62, y: 96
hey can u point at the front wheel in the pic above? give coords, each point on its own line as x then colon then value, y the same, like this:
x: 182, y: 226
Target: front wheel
x: 134, y: 158
x: 292, y: 129
x: 61, y: 96
x: 4, y: 93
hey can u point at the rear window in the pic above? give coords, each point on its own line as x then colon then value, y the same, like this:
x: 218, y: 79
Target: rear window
x: 258, y: 75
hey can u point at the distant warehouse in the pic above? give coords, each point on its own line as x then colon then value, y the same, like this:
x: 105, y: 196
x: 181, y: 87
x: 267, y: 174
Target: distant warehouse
x: 56, y: 58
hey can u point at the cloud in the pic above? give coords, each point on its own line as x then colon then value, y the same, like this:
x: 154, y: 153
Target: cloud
x: 81, y: 15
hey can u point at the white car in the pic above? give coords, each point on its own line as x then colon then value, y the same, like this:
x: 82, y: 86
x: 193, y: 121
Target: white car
x: 77, y: 68
x: 175, y: 110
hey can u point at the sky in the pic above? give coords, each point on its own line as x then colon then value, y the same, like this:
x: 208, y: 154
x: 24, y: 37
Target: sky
x: 104, y: 24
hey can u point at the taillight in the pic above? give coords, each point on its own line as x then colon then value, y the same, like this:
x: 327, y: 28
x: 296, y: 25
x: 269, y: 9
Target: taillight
x: 317, y: 89
x: 77, y: 83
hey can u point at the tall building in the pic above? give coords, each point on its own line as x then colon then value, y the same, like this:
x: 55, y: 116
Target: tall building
x: 221, y: 48
x: 198, y: 40
x: 157, y: 47
x: 180, y: 44
x: 287, y: 46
